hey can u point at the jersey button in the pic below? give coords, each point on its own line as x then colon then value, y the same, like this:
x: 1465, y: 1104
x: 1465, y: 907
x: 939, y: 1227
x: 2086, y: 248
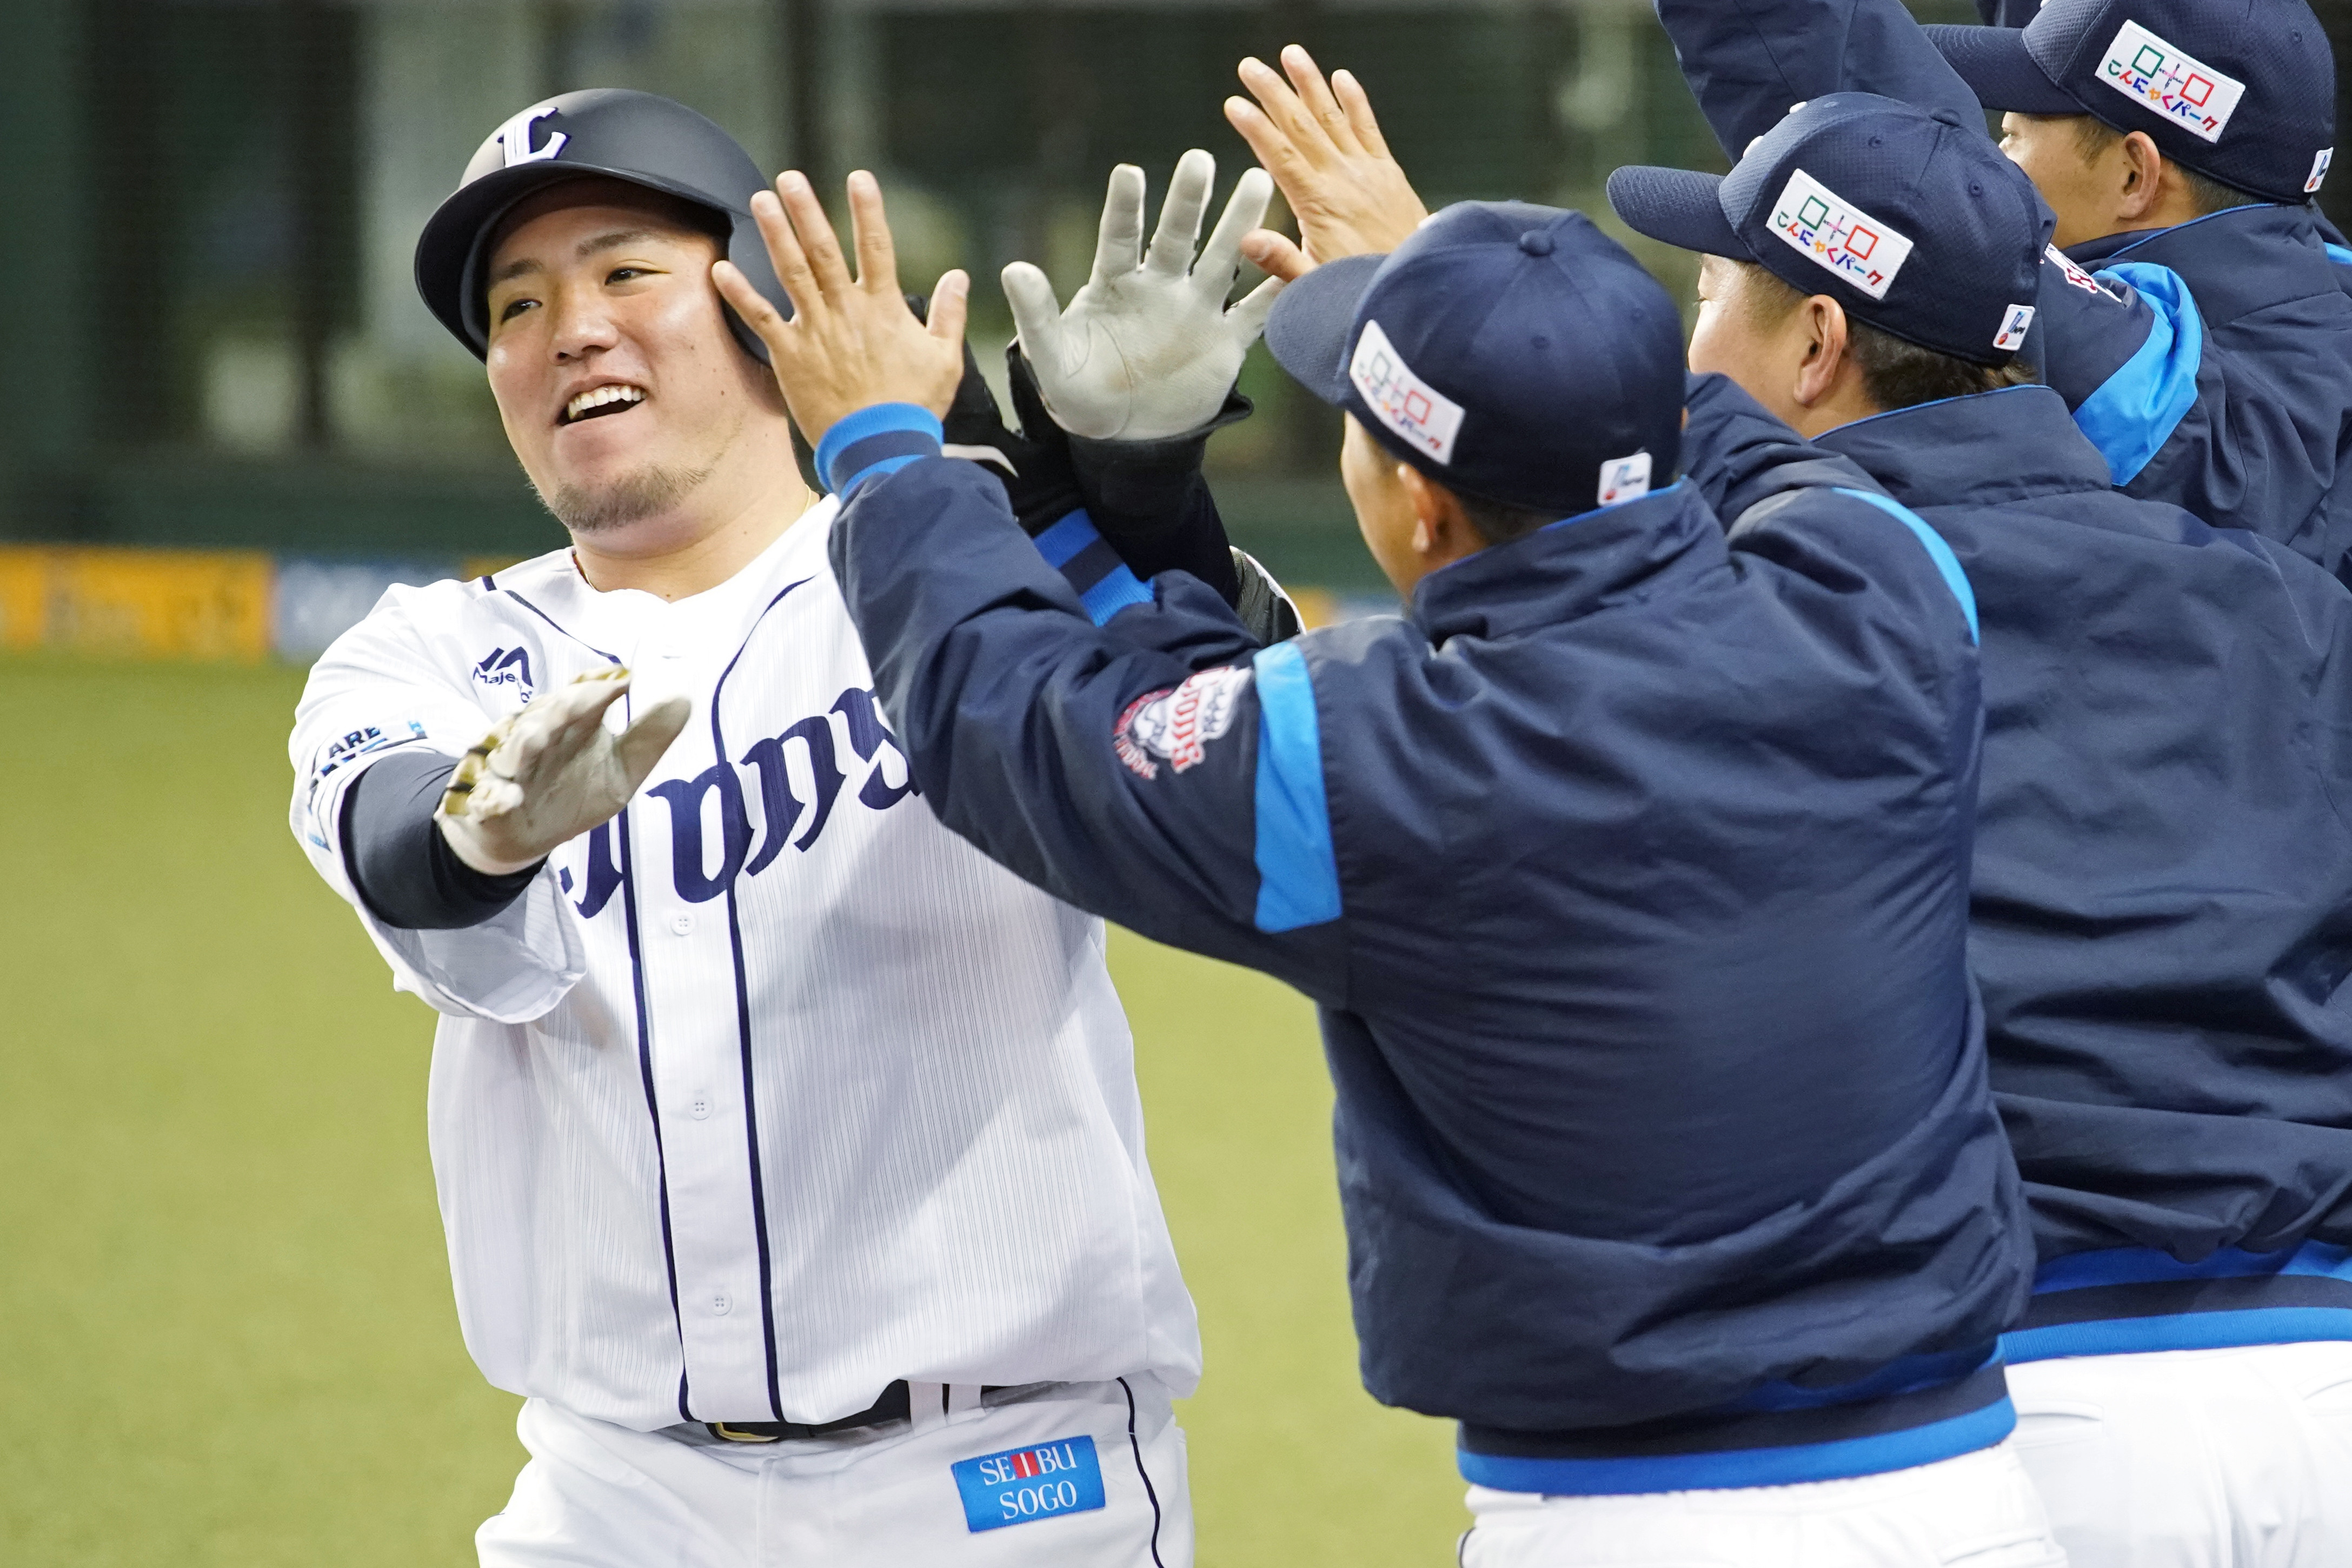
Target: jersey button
x: 700, y: 1109
x: 720, y: 1306
x: 682, y: 924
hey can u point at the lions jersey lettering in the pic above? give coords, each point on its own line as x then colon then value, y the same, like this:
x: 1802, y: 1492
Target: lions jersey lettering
x: 782, y: 808
x: 1022, y: 1485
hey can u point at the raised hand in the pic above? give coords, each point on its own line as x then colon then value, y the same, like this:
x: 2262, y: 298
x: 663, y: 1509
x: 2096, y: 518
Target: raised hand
x: 1148, y: 349
x: 546, y: 775
x: 851, y: 342
x: 1323, y: 147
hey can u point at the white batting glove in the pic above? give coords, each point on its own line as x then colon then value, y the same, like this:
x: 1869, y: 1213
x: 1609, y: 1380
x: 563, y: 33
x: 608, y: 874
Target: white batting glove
x: 1148, y: 349
x: 549, y: 773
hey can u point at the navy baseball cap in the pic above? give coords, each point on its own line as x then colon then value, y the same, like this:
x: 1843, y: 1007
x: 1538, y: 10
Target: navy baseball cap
x: 1512, y: 352
x: 2242, y: 92
x: 1912, y: 220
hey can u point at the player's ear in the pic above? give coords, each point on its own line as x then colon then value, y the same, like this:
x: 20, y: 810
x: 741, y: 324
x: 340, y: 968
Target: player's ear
x: 1824, y: 336
x: 1428, y: 507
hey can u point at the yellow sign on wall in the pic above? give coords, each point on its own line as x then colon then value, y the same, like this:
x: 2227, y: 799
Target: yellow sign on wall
x: 150, y: 604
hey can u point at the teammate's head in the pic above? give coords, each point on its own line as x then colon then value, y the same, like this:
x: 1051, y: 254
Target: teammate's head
x: 575, y: 259
x: 1865, y: 256
x: 1507, y: 366
x: 2133, y: 115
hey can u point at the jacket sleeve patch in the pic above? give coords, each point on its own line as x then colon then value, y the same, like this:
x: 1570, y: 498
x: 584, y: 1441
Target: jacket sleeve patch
x: 1176, y: 722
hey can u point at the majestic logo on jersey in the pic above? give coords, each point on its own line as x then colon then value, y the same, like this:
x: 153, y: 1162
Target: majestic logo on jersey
x: 1022, y: 1485
x: 805, y: 751
x: 2014, y: 324
x: 1825, y: 229
x: 1177, y: 721
x: 506, y: 667
x: 514, y: 137
x: 2170, y: 82
x: 1401, y: 400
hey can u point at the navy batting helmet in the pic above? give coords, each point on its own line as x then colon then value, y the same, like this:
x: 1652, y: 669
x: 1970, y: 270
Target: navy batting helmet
x: 622, y: 135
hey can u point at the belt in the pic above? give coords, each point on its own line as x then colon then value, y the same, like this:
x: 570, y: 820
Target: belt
x: 892, y: 1406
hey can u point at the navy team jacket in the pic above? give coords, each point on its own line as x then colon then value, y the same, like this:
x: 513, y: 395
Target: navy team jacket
x: 1629, y: 870
x: 2213, y: 370
x: 2163, y: 905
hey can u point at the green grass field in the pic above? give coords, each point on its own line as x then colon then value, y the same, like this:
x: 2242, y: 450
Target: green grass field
x: 225, y: 1329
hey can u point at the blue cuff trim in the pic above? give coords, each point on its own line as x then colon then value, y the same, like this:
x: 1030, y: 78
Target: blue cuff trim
x: 1298, y: 878
x: 2135, y: 412
x: 1946, y: 1440
x: 2148, y: 1265
x: 1948, y: 564
x: 870, y: 439
x: 2338, y: 254
x: 1061, y: 542
x: 1104, y: 584
x: 2179, y: 1331
x: 1115, y: 590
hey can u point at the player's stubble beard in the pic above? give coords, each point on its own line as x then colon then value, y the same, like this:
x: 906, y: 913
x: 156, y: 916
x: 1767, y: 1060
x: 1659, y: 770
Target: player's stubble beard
x: 648, y: 492
x: 633, y: 497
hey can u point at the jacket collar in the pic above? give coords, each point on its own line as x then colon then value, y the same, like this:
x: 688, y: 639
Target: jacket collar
x: 1986, y: 449
x: 2235, y: 261
x: 1570, y: 568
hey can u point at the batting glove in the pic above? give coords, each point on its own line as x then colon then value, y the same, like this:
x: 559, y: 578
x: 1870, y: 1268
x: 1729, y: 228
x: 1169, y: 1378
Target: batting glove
x: 549, y: 773
x: 1148, y: 349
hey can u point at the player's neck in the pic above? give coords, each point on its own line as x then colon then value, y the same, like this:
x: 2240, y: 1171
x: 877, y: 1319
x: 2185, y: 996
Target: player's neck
x: 697, y: 548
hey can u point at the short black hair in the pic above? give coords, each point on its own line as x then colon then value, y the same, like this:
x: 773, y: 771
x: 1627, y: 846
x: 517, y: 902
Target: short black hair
x: 1499, y: 522
x: 2093, y: 136
x: 1895, y: 371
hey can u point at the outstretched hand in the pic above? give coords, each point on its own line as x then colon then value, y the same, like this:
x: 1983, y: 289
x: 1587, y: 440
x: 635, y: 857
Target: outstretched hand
x: 1323, y: 147
x: 1148, y: 349
x: 851, y: 342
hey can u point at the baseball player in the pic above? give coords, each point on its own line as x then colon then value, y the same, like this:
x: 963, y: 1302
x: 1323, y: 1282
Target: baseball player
x: 1628, y: 870
x: 2162, y: 910
x: 2179, y: 144
x: 789, y: 1152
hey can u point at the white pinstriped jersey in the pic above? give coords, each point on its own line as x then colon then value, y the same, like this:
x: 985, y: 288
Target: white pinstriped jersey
x: 772, y: 1091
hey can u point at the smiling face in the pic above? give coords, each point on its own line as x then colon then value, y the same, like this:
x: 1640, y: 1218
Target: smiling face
x: 631, y: 408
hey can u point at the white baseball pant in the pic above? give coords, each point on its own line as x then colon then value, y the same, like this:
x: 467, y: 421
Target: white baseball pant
x: 599, y: 1495
x: 1975, y: 1511
x: 2210, y: 1458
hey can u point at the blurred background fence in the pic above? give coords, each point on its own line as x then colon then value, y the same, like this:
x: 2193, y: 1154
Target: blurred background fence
x: 215, y: 340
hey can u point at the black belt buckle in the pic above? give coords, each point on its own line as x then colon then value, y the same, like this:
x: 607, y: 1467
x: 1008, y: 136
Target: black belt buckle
x: 892, y: 1406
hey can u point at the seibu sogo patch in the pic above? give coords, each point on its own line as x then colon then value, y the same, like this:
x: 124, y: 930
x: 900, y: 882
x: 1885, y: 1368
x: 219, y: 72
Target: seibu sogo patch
x: 1022, y: 1485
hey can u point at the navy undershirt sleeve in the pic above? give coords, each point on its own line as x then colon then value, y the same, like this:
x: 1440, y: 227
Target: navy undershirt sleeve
x: 405, y: 870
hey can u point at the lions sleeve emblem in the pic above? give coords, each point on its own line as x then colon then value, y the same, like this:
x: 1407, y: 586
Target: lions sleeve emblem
x: 1176, y: 722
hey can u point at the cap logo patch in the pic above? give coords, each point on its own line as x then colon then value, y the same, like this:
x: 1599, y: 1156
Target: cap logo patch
x: 2014, y: 324
x: 1827, y: 230
x: 2319, y: 163
x: 514, y: 137
x: 1624, y: 479
x: 2166, y: 81
x: 1401, y: 400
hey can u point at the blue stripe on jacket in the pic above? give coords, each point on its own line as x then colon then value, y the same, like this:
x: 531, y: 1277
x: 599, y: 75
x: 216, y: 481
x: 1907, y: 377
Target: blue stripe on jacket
x: 2309, y: 1297
x: 1948, y: 564
x: 2132, y: 415
x: 1298, y: 878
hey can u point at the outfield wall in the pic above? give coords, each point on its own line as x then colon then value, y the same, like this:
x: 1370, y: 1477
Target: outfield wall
x: 248, y: 605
